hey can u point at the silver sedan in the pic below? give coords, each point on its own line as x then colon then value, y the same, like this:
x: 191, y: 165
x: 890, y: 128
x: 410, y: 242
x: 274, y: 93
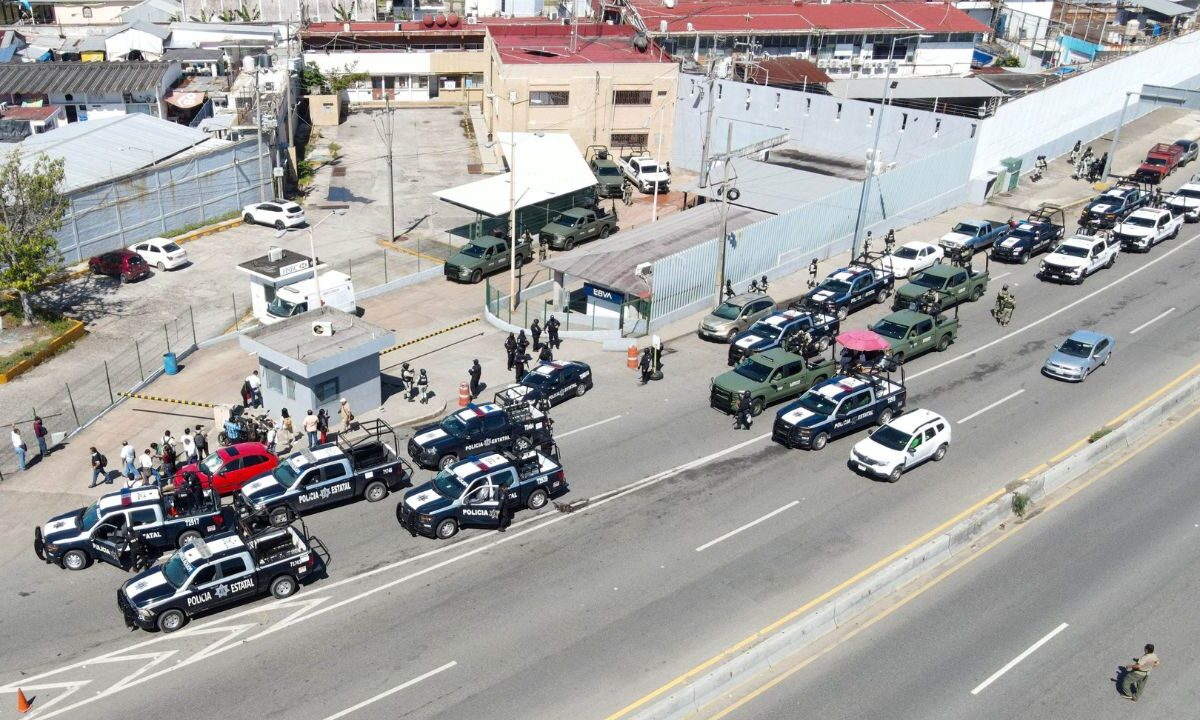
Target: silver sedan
x: 1079, y: 355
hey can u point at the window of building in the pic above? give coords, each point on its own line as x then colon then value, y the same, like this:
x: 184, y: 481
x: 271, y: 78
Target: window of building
x: 631, y: 97
x: 630, y: 139
x: 87, y: 12
x: 326, y: 391
x: 473, y: 80
x: 550, y: 98
x: 273, y: 380
x: 289, y: 388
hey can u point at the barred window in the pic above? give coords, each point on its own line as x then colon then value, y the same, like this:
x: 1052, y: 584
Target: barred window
x: 550, y: 98
x: 629, y: 139
x: 631, y: 97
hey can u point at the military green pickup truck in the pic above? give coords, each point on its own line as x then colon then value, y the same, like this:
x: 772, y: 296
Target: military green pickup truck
x: 912, y: 333
x: 953, y: 283
x: 483, y: 256
x: 770, y: 377
x: 571, y: 227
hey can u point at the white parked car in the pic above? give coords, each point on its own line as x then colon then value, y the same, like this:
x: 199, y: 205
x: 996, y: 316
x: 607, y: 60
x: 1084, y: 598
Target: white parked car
x: 911, y: 258
x: 279, y: 214
x: 161, y: 253
x: 902, y: 444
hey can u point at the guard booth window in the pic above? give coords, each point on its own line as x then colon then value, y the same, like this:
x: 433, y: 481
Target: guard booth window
x: 326, y: 391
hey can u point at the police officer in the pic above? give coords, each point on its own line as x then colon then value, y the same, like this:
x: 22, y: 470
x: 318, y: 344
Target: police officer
x: 503, y: 508
x: 535, y: 331
x: 803, y: 340
x: 423, y: 387
x: 476, y: 372
x: 552, y: 332
x: 646, y: 365
x: 812, y: 273
x: 889, y: 240
x: 510, y: 347
x: 744, y: 416
x: 545, y: 355
x: 519, y: 363
x: 929, y: 300
x: 627, y: 193
x: 729, y: 289
x: 522, y: 343
x: 1005, y: 305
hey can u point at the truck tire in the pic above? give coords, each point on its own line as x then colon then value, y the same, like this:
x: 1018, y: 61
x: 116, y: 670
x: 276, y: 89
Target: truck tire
x: 171, y: 620
x: 446, y: 461
x: 898, y: 358
x: 568, y: 244
x: 820, y: 441
x: 605, y: 231
x: 580, y: 390
x: 283, y: 586
x: 894, y: 476
x: 188, y: 536
x: 977, y: 292
x: 447, y: 529
x: 537, y: 499
x: 476, y: 276
x: 884, y: 418
x: 519, y: 260
x: 1175, y: 233
x: 278, y: 224
x: 944, y: 343
x: 881, y: 296
x: 842, y: 312
x: 823, y: 343
x: 756, y: 406
x: 375, y: 491
x: 1112, y: 260
x: 279, y: 515
x: 76, y: 560
x: 939, y: 453
x: 1023, y: 258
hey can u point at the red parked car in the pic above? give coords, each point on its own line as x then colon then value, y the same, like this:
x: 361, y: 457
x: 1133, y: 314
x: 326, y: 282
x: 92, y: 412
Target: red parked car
x: 125, y: 265
x: 231, y: 467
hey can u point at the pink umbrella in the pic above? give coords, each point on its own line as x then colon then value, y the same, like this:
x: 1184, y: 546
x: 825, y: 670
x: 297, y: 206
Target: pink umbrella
x: 863, y: 340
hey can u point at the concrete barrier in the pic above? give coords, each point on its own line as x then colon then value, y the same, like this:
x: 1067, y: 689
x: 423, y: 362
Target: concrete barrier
x: 781, y: 645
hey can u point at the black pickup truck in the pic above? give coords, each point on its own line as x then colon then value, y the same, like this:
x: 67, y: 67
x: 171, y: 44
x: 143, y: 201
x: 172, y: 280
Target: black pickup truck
x: 478, y: 428
x: 362, y: 464
x: 848, y: 289
x: 837, y: 407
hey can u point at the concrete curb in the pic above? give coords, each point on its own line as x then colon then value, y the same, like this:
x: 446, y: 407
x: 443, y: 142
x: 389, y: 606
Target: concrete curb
x: 431, y: 415
x: 845, y: 607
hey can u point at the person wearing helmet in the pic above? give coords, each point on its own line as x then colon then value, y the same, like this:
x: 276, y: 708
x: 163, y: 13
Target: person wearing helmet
x: 1005, y: 305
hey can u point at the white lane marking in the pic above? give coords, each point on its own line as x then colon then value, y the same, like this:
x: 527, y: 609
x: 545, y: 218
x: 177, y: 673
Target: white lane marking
x: 747, y: 526
x: 393, y: 691
x: 1061, y: 310
x: 1011, y: 663
x: 1156, y: 318
x: 1004, y: 399
x: 1000, y: 277
x: 560, y: 436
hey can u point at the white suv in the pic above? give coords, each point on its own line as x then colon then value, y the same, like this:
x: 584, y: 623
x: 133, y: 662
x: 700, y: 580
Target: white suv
x: 279, y: 214
x: 902, y: 444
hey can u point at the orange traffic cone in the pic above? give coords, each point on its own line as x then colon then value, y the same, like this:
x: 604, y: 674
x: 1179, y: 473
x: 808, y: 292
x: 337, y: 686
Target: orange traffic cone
x: 464, y: 395
x: 631, y: 359
x: 23, y: 705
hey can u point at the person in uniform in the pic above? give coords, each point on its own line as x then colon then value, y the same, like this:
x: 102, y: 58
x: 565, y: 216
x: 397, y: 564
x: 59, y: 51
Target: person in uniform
x: 545, y: 355
x: 522, y: 343
x: 729, y: 289
x: 423, y: 387
x: 744, y: 417
x: 627, y: 194
x: 812, y: 273
x: 510, y: 347
x: 930, y: 302
x: 1136, y: 675
x: 552, y: 333
x: 1005, y: 305
x: 535, y: 331
x: 889, y: 240
x: 519, y: 363
x: 646, y: 365
x: 475, y: 372
x: 803, y: 341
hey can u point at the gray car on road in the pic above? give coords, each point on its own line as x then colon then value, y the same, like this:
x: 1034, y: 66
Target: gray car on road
x: 1079, y: 355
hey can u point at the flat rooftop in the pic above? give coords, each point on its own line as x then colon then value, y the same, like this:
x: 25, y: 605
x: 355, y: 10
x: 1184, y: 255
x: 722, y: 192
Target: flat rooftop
x: 292, y: 344
x: 783, y: 16
x: 552, y: 44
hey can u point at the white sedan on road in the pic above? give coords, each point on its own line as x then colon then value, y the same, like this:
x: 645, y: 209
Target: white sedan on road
x: 278, y: 214
x: 911, y: 258
x: 161, y: 253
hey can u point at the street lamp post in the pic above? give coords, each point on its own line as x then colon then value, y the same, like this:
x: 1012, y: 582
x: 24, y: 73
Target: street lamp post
x: 513, y: 102
x: 657, y: 154
x: 312, y: 247
x: 1112, y: 151
x: 874, y: 149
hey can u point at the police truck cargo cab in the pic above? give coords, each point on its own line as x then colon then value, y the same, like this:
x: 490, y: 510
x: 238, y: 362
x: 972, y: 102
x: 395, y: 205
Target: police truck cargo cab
x: 476, y: 429
x: 837, y: 407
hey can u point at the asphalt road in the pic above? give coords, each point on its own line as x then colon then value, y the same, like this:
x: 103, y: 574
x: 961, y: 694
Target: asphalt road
x: 578, y: 615
x: 1116, y: 565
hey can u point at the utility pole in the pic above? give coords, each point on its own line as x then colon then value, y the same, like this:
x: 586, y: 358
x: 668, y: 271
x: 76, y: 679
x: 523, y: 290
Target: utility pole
x: 262, y: 191
x: 724, y: 239
x: 710, y: 101
x: 385, y: 127
x: 1112, y: 150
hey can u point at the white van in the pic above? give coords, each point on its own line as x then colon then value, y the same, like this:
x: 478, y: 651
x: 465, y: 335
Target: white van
x: 337, y: 290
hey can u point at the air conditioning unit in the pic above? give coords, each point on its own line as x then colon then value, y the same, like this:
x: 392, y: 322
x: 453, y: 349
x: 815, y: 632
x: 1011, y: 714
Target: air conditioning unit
x: 472, y: 19
x: 644, y: 270
x: 322, y: 329
x: 275, y: 253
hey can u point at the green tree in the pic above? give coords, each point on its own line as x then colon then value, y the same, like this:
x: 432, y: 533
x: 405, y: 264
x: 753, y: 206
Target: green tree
x: 343, y: 13
x: 333, y: 81
x: 248, y: 14
x: 32, y: 207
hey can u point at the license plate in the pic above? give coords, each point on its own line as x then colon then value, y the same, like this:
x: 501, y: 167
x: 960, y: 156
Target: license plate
x: 861, y: 467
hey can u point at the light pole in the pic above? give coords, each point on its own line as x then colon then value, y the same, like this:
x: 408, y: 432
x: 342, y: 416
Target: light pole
x: 312, y: 248
x: 657, y: 154
x: 1112, y: 151
x: 513, y: 102
x: 873, y: 151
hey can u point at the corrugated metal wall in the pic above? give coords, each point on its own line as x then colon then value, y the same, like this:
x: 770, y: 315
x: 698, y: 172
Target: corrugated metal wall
x: 684, y: 283
x: 161, y: 199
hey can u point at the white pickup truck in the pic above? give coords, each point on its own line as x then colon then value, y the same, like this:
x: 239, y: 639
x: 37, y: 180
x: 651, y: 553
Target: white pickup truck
x: 644, y: 172
x: 1145, y: 228
x: 1079, y: 256
x: 1186, y: 202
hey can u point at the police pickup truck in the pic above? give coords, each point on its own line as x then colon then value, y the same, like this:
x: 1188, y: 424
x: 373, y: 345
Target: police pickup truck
x: 468, y: 493
x: 1145, y: 228
x: 360, y: 465
x: 1110, y: 208
x: 475, y: 429
x: 838, y: 407
x: 913, y: 333
x: 205, y: 575
x: 848, y: 289
x: 556, y: 381
x: 74, y: 540
x: 770, y: 377
x: 954, y: 284
x: 1037, y: 234
x: 779, y: 329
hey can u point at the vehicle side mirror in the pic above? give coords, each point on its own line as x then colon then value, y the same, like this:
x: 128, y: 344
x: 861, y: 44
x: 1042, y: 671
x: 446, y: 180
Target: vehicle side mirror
x: 912, y: 451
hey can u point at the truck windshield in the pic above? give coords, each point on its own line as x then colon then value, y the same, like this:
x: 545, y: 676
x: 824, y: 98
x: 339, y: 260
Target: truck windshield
x: 837, y: 287
x: 177, y: 570
x: 648, y: 168
x: 282, y: 308
x: 768, y: 332
x: 447, y: 484
x: 966, y: 228
x: 756, y: 371
x: 1073, y: 251
x: 1157, y: 161
x: 816, y: 403
x: 285, y: 475
x: 894, y: 330
x: 1074, y: 348
x: 606, y: 171
x: 726, y: 311
x: 890, y: 438
x: 473, y: 250
x: 1188, y: 193
x: 454, y: 426
x: 1139, y: 221
x: 89, y: 516
x: 930, y: 281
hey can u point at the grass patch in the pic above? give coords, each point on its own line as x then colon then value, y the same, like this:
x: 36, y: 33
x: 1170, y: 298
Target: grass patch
x: 197, y: 225
x: 1094, y: 437
x: 49, y: 327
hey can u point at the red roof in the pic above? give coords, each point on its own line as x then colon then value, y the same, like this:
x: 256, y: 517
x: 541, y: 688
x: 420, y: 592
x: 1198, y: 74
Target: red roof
x: 31, y: 113
x: 438, y: 23
x: 800, y: 17
x: 551, y: 43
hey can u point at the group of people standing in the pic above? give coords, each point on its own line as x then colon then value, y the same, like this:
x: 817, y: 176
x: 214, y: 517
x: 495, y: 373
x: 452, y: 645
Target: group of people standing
x: 516, y: 346
x: 155, y: 464
x: 21, y: 450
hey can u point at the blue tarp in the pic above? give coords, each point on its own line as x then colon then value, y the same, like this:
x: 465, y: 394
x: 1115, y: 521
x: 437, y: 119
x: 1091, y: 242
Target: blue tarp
x: 1077, y: 46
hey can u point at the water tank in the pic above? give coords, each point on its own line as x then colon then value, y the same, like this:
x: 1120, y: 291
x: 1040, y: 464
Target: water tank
x: 452, y: 19
x: 248, y: 62
x: 440, y: 20
x: 1132, y: 27
x: 427, y: 21
x: 669, y: 3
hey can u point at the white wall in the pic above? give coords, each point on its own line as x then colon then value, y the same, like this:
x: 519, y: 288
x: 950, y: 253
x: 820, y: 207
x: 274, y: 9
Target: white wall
x: 941, y: 59
x: 1049, y: 122
x: 375, y: 63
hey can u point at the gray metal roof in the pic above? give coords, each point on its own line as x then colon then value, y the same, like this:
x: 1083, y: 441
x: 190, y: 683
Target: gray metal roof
x: 1164, y: 7
x: 290, y: 343
x: 612, y: 263
x: 771, y: 188
x: 96, y: 151
x: 85, y: 78
x: 149, y: 28
x: 193, y: 54
x: 914, y: 88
